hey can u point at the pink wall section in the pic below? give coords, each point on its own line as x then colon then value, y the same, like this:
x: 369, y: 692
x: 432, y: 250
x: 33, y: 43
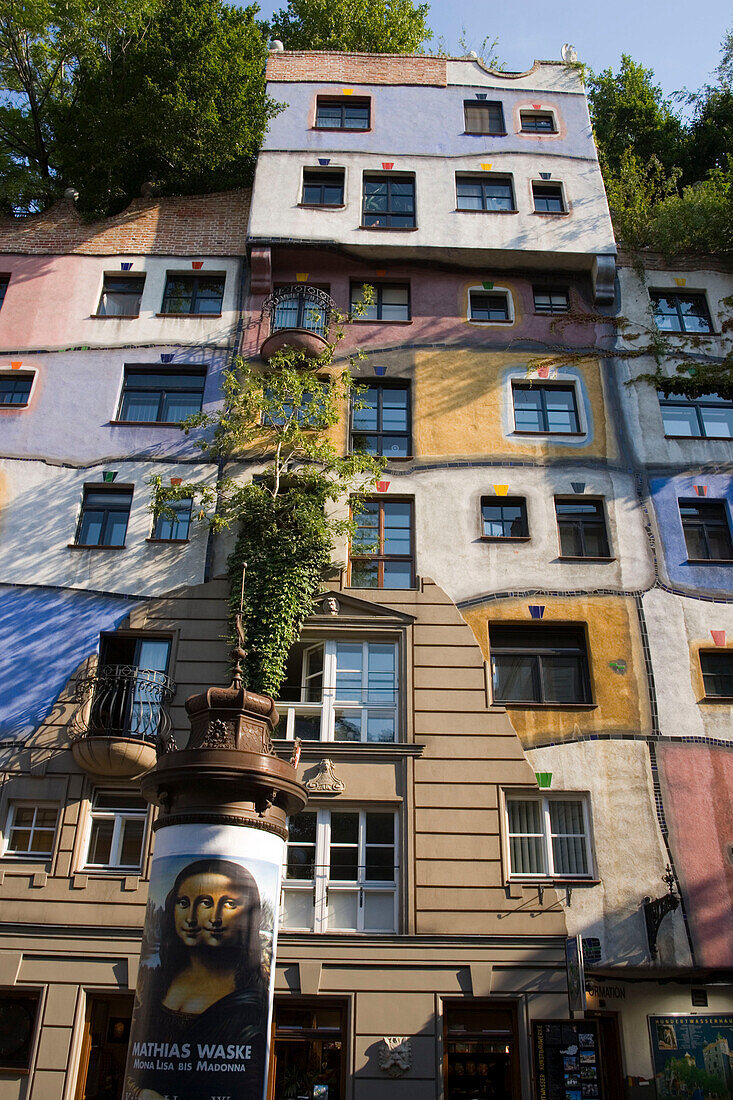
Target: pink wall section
x: 697, y: 788
x: 47, y: 296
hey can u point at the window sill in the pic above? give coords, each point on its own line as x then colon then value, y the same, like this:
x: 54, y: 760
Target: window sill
x: 709, y: 561
x: 475, y: 321
x: 169, y: 542
x: 550, y: 313
x: 687, y: 335
x: 342, y: 129
x: 551, y: 213
x: 144, y: 423
x: 546, y: 706
x: 113, y: 316
x: 322, y: 205
x: 538, y: 133
x: 726, y: 700
x: 485, y: 133
x: 346, y: 749
x: 585, y: 557
x: 13, y: 405
x: 390, y: 228
x: 549, y: 882
x: 462, y: 210
x: 559, y: 435
x: 703, y: 438
x: 504, y: 538
x: 81, y: 546
x: 189, y: 315
x: 364, y: 321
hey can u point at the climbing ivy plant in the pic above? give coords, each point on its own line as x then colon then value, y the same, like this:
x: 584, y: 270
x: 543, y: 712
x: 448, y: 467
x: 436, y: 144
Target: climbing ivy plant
x: 279, y: 419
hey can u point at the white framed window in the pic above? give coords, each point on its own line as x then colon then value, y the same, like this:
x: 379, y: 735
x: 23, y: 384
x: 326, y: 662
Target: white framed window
x: 341, y: 871
x: 549, y: 836
x: 117, y: 823
x: 341, y: 691
x: 30, y: 830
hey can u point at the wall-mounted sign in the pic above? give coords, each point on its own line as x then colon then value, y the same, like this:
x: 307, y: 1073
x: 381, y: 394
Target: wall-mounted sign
x: 693, y: 1056
x: 567, y: 1060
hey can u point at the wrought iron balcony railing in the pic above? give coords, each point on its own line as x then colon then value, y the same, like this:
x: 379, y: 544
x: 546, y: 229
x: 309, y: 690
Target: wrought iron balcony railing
x: 299, y: 307
x: 126, y: 702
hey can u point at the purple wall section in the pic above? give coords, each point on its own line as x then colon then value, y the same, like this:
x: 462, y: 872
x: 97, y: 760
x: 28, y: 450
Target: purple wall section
x: 697, y: 786
x: 45, y: 634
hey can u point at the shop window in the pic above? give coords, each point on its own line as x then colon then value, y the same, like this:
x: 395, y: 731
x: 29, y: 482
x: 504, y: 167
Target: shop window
x: 380, y: 421
x: 341, y: 691
x: 481, y: 1051
x: 539, y: 664
x: 341, y: 871
x: 548, y: 837
x: 342, y: 114
x: 105, y: 511
x: 309, y: 1049
x: 18, y: 1018
x: 31, y: 830
x: 707, y: 530
x: 716, y: 666
x: 154, y: 396
x: 116, y: 831
x: 707, y: 416
x: 675, y: 312
x: 381, y: 551
x: 121, y: 296
x: 483, y: 117
x: 504, y: 518
x: 581, y: 525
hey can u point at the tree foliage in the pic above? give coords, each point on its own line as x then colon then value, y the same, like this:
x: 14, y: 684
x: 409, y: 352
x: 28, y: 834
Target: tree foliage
x: 362, y: 26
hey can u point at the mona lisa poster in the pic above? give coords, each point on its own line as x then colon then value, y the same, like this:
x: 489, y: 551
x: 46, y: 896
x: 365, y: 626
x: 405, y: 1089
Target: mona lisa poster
x: 201, y: 1023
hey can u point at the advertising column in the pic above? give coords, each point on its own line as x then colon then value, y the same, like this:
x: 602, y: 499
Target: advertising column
x: 201, y: 1022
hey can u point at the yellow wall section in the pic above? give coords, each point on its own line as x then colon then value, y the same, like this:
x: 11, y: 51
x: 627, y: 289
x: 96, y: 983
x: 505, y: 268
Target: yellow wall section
x: 612, y: 634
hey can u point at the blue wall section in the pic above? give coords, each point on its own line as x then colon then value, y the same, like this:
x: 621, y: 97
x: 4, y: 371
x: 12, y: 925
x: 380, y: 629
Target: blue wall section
x: 45, y: 634
x: 666, y: 493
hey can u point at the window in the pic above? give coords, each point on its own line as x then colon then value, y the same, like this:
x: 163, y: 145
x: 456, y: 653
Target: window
x: 504, y: 518
x: 31, y: 830
x: 154, y: 396
x: 381, y: 547
x: 4, y: 280
x: 481, y: 1051
x: 539, y: 664
x: 306, y: 306
x: 481, y: 117
x: 121, y: 296
x: 494, y: 193
x: 322, y: 188
x: 15, y: 388
x: 551, y: 299
x: 133, y: 688
x: 104, y: 514
x: 550, y: 409
x: 581, y: 524
x: 117, y: 830
x: 537, y: 122
x: 342, y: 114
x: 18, y: 1012
x: 193, y: 293
x: 708, y: 416
x: 717, y: 673
x: 548, y: 198
x: 389, y: 202
x: 707, y: 531
x: 173, y: 524
x: 309, y: 1049
x: 380, y: 421
x: 341, y: 871
x: 488, y: 307
x: 675, y: 312
x: 341, y: 691
x: 549, y: 837
x: 391, y: 302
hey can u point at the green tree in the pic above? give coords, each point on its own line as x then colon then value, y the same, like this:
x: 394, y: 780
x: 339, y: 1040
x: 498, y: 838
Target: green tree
x: 361, y: 26
x: 630, y: 112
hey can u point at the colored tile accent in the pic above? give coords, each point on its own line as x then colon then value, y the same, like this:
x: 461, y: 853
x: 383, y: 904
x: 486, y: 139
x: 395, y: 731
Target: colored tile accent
x: 618, y: 666
x: 15, y: 364
x: 537, y: 106
x: 166, y: 356
x: 380, y: 371
x: 125, y: 265
x: 486, y: 167
x: 545, y: 175
x: 680, y: 282
x: 387, y: 164
x: 544, y: 780
x: 176, y: 480
x: 501, y: 490
x: 487, y: 285
x: 382, y: 486
x: 577, y: 486
x: 109, y: 475
x: 301, y: 276
x: 536, y: 610
x: 324, y: 160
x: 197, y: 264
x: 718, y: 636
x: 701, y: 490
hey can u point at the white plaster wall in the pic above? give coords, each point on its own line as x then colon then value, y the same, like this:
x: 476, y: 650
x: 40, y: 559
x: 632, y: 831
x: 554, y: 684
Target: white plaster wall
x: 38, y: 519
x: 544, y: 75
x: 673, y: 624
x: 585, y: 229
x: 448, y: 529
x: 630, y: 856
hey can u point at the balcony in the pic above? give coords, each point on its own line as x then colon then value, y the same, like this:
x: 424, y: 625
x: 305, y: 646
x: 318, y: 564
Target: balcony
x: 121, y: 721
x: 299, y: 317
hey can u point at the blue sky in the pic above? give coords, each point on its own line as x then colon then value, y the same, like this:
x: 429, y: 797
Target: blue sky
x: 680, y: 40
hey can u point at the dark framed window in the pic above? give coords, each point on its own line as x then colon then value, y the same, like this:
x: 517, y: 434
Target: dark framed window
x: 323, y: 188
x: 15, y: 388
x: 309, y: 1048
x: 539, y: 664
x: 716, y: 666
x: 504, y: 518
x: 154, y: 396
x: 381, y: 554
x: 391, y: 302
x: 4, y: 280
x: 389, y: 202
x: 483, y: 117
x: 173, y: 525
x: 581, y: 524
x: 548, y: 198
x: 193, y: 293
x: 302, y: 306
x: 537, y: 122
x: 105, y: 511
x: 707, y: 416
x: 31, y: 829
x: 488, y: 307
x: 675, y: 312
x: 342, y: 114
x: 117, y: 830
x: 133, y: 686
x: 549, y: 409
x: 380, y: 421
x: 18, y: 1015
x: 121, y: 296
x: 707, y: 530
x: 551, y: 299
x: 481, y: 1051
x: 491, y: 193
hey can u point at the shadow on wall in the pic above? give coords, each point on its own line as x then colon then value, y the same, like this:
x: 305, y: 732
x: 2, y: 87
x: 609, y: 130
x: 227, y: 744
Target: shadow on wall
x: 44, y: 637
